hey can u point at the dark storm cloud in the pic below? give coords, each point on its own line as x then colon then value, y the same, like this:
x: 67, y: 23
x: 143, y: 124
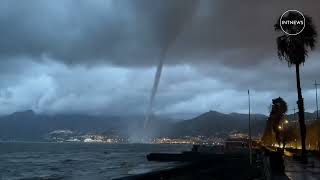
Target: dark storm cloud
x: 52, y: 87
x: 67, y: 30
x: 130, y: 33
x: 269, y: 75
x: 90, y: 31
x: 56, y: 88
x: 217, y: 50
x: 237, y: 34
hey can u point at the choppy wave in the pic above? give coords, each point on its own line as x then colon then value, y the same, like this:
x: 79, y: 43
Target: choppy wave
x: 52, y: 161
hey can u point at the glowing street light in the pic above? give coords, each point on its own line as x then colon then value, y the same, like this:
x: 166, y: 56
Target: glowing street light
x: 280, y: 127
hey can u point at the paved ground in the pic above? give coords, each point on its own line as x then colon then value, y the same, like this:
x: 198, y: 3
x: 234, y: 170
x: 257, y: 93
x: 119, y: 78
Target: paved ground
x: 298, y: 171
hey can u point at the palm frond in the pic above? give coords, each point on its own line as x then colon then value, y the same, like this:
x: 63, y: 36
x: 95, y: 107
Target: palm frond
x: 295, y: 49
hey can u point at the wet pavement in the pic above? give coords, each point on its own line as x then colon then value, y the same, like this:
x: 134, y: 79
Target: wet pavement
x: 295, y: 170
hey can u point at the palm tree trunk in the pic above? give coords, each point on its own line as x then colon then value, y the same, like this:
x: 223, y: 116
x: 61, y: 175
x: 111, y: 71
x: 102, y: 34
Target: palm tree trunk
x: 301, y: 113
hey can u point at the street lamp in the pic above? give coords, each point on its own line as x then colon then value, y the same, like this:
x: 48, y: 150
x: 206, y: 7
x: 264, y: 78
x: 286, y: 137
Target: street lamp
x: 316, y: 85
x: 250, y: 139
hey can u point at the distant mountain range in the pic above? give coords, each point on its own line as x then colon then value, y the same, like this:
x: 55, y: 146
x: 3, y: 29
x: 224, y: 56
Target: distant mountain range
x: 307, y: 115
x: 28, y: 125
x: 214, y: 122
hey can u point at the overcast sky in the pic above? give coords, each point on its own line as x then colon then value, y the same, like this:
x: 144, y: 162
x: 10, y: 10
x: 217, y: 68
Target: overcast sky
x: 99, y: 56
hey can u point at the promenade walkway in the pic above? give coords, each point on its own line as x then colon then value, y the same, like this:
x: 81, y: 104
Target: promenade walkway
x: 296, y: 170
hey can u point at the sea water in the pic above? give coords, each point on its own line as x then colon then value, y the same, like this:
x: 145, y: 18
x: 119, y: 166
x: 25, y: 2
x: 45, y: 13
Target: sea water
x: 33, y: 161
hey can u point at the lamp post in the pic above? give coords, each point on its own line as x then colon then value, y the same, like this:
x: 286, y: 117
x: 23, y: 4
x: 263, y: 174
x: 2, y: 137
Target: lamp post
x: 250, y: 140
x: 316, y: 85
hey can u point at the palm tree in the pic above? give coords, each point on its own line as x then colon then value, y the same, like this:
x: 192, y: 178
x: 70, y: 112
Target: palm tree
x: 278, y: 110
x: 294, y: 49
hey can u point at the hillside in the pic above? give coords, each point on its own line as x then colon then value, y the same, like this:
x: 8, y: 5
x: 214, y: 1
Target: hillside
x: 28, y: 125
x: 213, y: 122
